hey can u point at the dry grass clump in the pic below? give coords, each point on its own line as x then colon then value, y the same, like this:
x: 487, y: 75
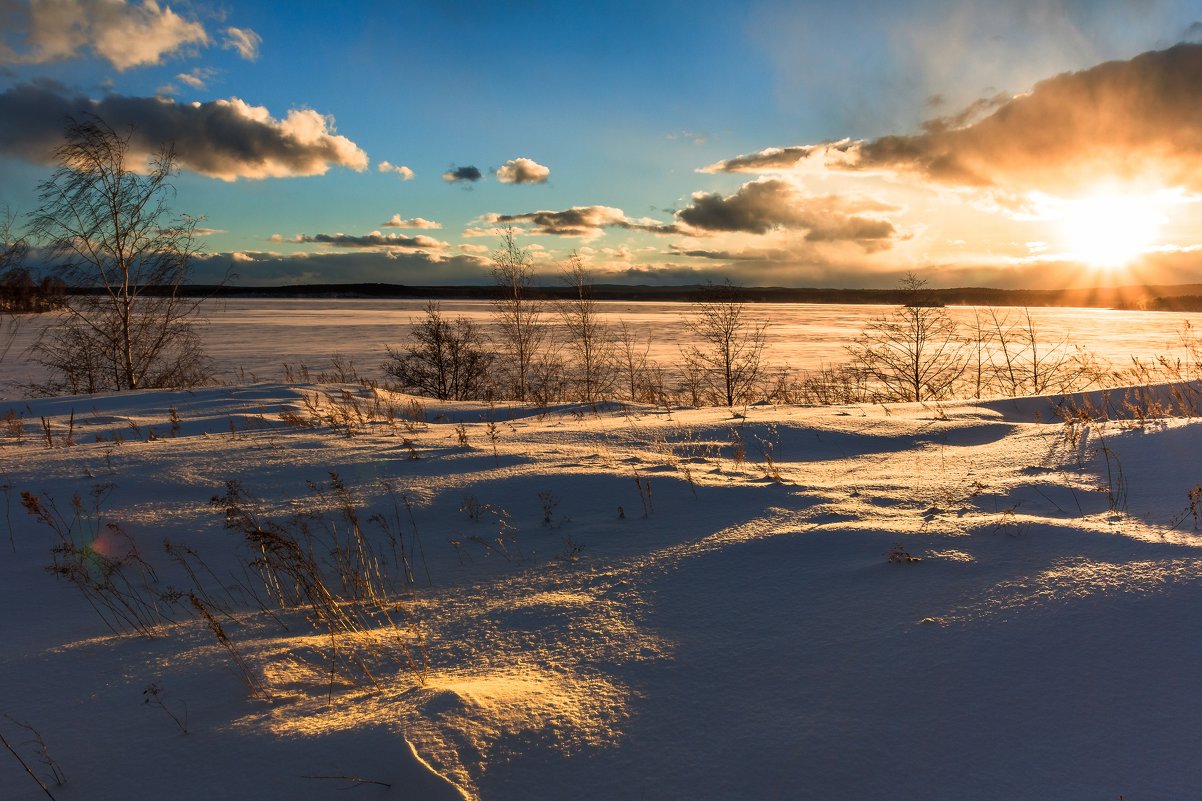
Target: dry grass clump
x: 100, y: 560
x: 323, y: 563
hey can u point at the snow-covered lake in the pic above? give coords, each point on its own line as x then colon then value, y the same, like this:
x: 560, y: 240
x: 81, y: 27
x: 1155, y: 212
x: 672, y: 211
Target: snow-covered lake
x: 257, y: 336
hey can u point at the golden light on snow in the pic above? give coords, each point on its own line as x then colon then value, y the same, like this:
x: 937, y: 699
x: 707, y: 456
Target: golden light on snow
x: 1110, y: 229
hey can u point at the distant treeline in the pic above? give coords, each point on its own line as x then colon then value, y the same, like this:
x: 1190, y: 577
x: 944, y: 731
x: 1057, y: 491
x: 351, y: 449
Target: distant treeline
x: 1180, y: 303
x: 1184, y: 297
x: 21, y: 294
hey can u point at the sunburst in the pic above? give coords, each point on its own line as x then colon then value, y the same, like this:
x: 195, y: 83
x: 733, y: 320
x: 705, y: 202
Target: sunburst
x: 1108, y: 230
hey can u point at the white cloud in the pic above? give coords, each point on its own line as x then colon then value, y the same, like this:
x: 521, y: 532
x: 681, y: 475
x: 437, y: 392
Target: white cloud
x: 481, y: 232
x: 522, y: 171
x: 198, y: 78
x: 400, y: 169
x: 396, y: 221
x: 243, y: 40
x: 124, y: 34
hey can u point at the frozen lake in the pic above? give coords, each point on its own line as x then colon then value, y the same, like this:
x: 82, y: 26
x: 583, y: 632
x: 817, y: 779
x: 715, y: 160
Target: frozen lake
x: 255, y: 337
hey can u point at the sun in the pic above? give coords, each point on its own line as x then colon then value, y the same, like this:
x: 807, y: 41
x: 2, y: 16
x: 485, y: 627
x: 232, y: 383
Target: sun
x: 1108, y: 230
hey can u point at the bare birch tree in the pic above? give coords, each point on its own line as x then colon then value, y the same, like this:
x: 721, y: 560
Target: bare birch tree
x: 519, y: 317
x: 914, y: 353
x: 732, y: 344
x: 104, y: 218
x: 633, y: 366
x: 588, y: 340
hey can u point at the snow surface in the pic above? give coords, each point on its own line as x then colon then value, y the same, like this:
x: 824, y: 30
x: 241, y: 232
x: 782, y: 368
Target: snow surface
x: 736, y: 632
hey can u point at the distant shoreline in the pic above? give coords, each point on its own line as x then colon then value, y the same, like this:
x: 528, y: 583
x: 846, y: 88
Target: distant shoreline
x: 1180, y: 297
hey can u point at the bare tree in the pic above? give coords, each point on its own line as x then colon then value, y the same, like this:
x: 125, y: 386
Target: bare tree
x: 13, y: 247
x: 914, y: 353
x: 588, y: 338
x: 20, y: 292
x: 519, y: 318
x: 104, y: 218
x: 1026, y: 362
x: 729, y: 356
x: 633, y: 366
x: 14, y: 280
x: 446, y: 359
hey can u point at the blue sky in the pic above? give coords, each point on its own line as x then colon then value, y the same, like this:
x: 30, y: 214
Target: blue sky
x: 623, y: 122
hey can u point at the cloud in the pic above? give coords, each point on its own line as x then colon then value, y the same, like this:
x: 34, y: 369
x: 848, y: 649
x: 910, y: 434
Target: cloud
x: 495, y: 231
x: 401, y: 170
x: 124, y: 34
x: 198, y: 78
x: 587, y: 222
x: 207, y: 231
x: 694, y: 137
x: 258, y: 268
x: 1130, y: 122
x: 462, y: 175
x: 374, y: 240
x: 226, y: 139
x: 762, y: 206
x: 522, y: 171
x: 786, y: 159
x: 728, y: 255
x: 245, y: 41
x: 412, y: 222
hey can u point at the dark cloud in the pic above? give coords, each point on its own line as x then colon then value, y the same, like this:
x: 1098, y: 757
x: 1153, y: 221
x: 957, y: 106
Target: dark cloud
x: 462, y: 175
x: 358, y: 266
x: 227, y: 139
x: 769, y: 272
x: 727, y: 255
x: 757, y: 207
x: 966, y: 116
x: 581, y: 221
x: 762, y: 206
x: 1138, y: 120
x: 776, y: 269
x: 522, y: 171
x: 374, y: 240
x: 774, y: 159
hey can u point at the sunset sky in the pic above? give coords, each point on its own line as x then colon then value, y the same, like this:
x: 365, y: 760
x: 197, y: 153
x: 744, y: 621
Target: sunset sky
x: 1040, y: 144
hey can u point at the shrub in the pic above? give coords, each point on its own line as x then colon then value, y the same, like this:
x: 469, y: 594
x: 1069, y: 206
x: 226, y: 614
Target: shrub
x: 445, y: 359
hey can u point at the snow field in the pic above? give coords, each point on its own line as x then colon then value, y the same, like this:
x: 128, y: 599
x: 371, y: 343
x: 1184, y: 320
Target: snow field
x: 624, y: 602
